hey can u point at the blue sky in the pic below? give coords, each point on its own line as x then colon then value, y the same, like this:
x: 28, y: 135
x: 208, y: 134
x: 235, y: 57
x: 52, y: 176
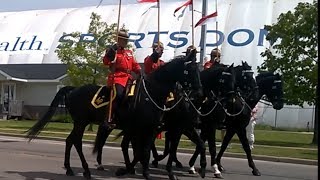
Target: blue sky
x: 23, y: 5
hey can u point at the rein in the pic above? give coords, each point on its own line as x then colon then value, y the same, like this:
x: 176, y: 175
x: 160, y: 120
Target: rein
x: 165, y: 109
x: 243, y: 105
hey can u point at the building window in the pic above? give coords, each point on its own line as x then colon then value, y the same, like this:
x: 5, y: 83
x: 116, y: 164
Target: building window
x: 8, y: 93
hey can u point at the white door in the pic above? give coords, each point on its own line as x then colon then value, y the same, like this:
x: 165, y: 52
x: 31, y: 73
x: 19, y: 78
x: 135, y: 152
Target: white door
x: 8, y: 93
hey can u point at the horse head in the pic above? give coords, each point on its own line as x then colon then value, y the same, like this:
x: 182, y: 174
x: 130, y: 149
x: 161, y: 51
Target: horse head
x: 271, y: 85
x: 219, y: 79
x: 191, y: 73
x: 183, y: 70
x: 245, y: 82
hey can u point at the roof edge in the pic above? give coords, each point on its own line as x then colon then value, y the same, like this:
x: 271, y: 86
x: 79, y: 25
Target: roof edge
x: 32, y: 80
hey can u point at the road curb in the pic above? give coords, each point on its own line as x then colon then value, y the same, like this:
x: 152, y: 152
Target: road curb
x: 190, y: 151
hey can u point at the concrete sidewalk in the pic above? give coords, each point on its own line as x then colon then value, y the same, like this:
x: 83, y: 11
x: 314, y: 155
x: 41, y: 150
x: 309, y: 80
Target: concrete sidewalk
x: 190, y: 151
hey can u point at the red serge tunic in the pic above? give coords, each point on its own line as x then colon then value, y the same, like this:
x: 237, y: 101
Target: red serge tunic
x: 150, y: 66
x: 124, y: 64
x: 208, y: 64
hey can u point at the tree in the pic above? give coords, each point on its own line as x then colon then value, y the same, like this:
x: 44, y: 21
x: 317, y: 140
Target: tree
x: 294, y: 54
x: 83, y: 57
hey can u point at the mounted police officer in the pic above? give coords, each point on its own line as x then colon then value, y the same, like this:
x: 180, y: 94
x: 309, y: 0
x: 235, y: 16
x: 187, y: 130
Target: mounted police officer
x: 153, y: 61
x: 214, y: 58
x: 121, y: 63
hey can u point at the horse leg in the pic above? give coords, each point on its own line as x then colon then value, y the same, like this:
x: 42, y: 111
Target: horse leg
x: 101, y: 137
x: 245, y: 145
x: 195, y: 138
x: 173, y: 153
x: 69, y: 143
x: 166, y: 146
x: 193, y: 159
x: 78, y: 134
x: 125, y: 152
x: 145, y: 154
x: 196, y: 153
x: 227, y: 138
x: 175, y: 159
x: 155, y: 155
x: 211, y: 136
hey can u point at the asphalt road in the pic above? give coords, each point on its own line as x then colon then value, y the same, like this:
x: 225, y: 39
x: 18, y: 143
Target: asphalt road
x: 43, y: 159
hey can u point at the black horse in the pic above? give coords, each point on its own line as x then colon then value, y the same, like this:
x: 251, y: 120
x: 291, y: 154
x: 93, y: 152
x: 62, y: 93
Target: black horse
x: 244, y: 83
x: 140, y: 122
x: 267, y: 83
x: 218, y: 85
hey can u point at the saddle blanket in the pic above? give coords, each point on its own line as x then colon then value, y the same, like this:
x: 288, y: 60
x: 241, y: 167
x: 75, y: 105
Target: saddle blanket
x: 102, y: 97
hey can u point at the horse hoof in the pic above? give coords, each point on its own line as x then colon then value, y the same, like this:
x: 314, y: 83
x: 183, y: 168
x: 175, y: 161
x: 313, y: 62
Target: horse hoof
x: 202, y: 172
x: 221, y: 168
x: 147, y: 176
x: 218, y: 175
x: 100, y: 167
x: 132, y: 171
x: 256, y: 172
x: 121, y: 172
x: 192, y: 170
x: 87, y: 175
x: 69, y: 172
x: 155, y: 163
x: 173, y: 177
x: 179, y: 165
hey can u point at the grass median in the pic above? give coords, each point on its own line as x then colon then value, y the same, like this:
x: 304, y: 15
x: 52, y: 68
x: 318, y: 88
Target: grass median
x: 268, y: 142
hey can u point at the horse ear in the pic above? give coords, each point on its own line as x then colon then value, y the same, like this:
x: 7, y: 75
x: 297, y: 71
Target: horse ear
x: 191, y: 56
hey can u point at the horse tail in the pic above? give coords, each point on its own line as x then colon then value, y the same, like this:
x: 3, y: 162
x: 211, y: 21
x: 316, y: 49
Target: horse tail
x: 34, y: 131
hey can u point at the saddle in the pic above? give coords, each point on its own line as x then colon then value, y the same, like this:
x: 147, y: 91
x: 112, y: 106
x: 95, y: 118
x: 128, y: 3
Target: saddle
x: 101, y: 97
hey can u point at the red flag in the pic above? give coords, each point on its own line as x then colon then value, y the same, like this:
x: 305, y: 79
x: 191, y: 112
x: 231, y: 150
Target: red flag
x: 189, y: 2
x: 142, y: 1
x: 211, y: 17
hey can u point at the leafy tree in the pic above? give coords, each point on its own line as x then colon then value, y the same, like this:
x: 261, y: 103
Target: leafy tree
x: 84, y: 60
x: 294, y: 54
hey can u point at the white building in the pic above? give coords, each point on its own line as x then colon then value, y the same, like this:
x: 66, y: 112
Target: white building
x: 31, y: 31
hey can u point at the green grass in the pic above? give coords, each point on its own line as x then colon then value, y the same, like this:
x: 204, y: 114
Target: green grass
x: 264, y: 139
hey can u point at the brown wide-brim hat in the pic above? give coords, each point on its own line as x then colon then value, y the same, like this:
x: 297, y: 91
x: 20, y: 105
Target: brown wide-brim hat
x: 189, y: 49
x: 155, y: 45
x: 122, y: 35
x: 215, y: 52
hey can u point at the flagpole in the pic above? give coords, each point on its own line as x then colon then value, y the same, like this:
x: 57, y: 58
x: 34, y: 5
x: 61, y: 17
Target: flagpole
x: 203, y: 34
x: 112, y: 67
x: 217, y: 25
x: 192, y: 23
x: 118, y: 25
x: 158, y: 22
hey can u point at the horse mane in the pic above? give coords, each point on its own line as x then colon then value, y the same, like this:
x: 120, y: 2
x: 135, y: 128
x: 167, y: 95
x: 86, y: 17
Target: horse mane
x: 207, y: 74
x: 159, y: 73
x: 263, y: 75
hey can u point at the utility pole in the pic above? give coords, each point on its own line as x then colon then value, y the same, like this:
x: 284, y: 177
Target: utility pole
x: 203, y: 34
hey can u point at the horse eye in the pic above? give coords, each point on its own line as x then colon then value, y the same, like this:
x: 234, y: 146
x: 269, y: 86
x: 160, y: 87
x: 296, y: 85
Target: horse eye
x: 185, y: 72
